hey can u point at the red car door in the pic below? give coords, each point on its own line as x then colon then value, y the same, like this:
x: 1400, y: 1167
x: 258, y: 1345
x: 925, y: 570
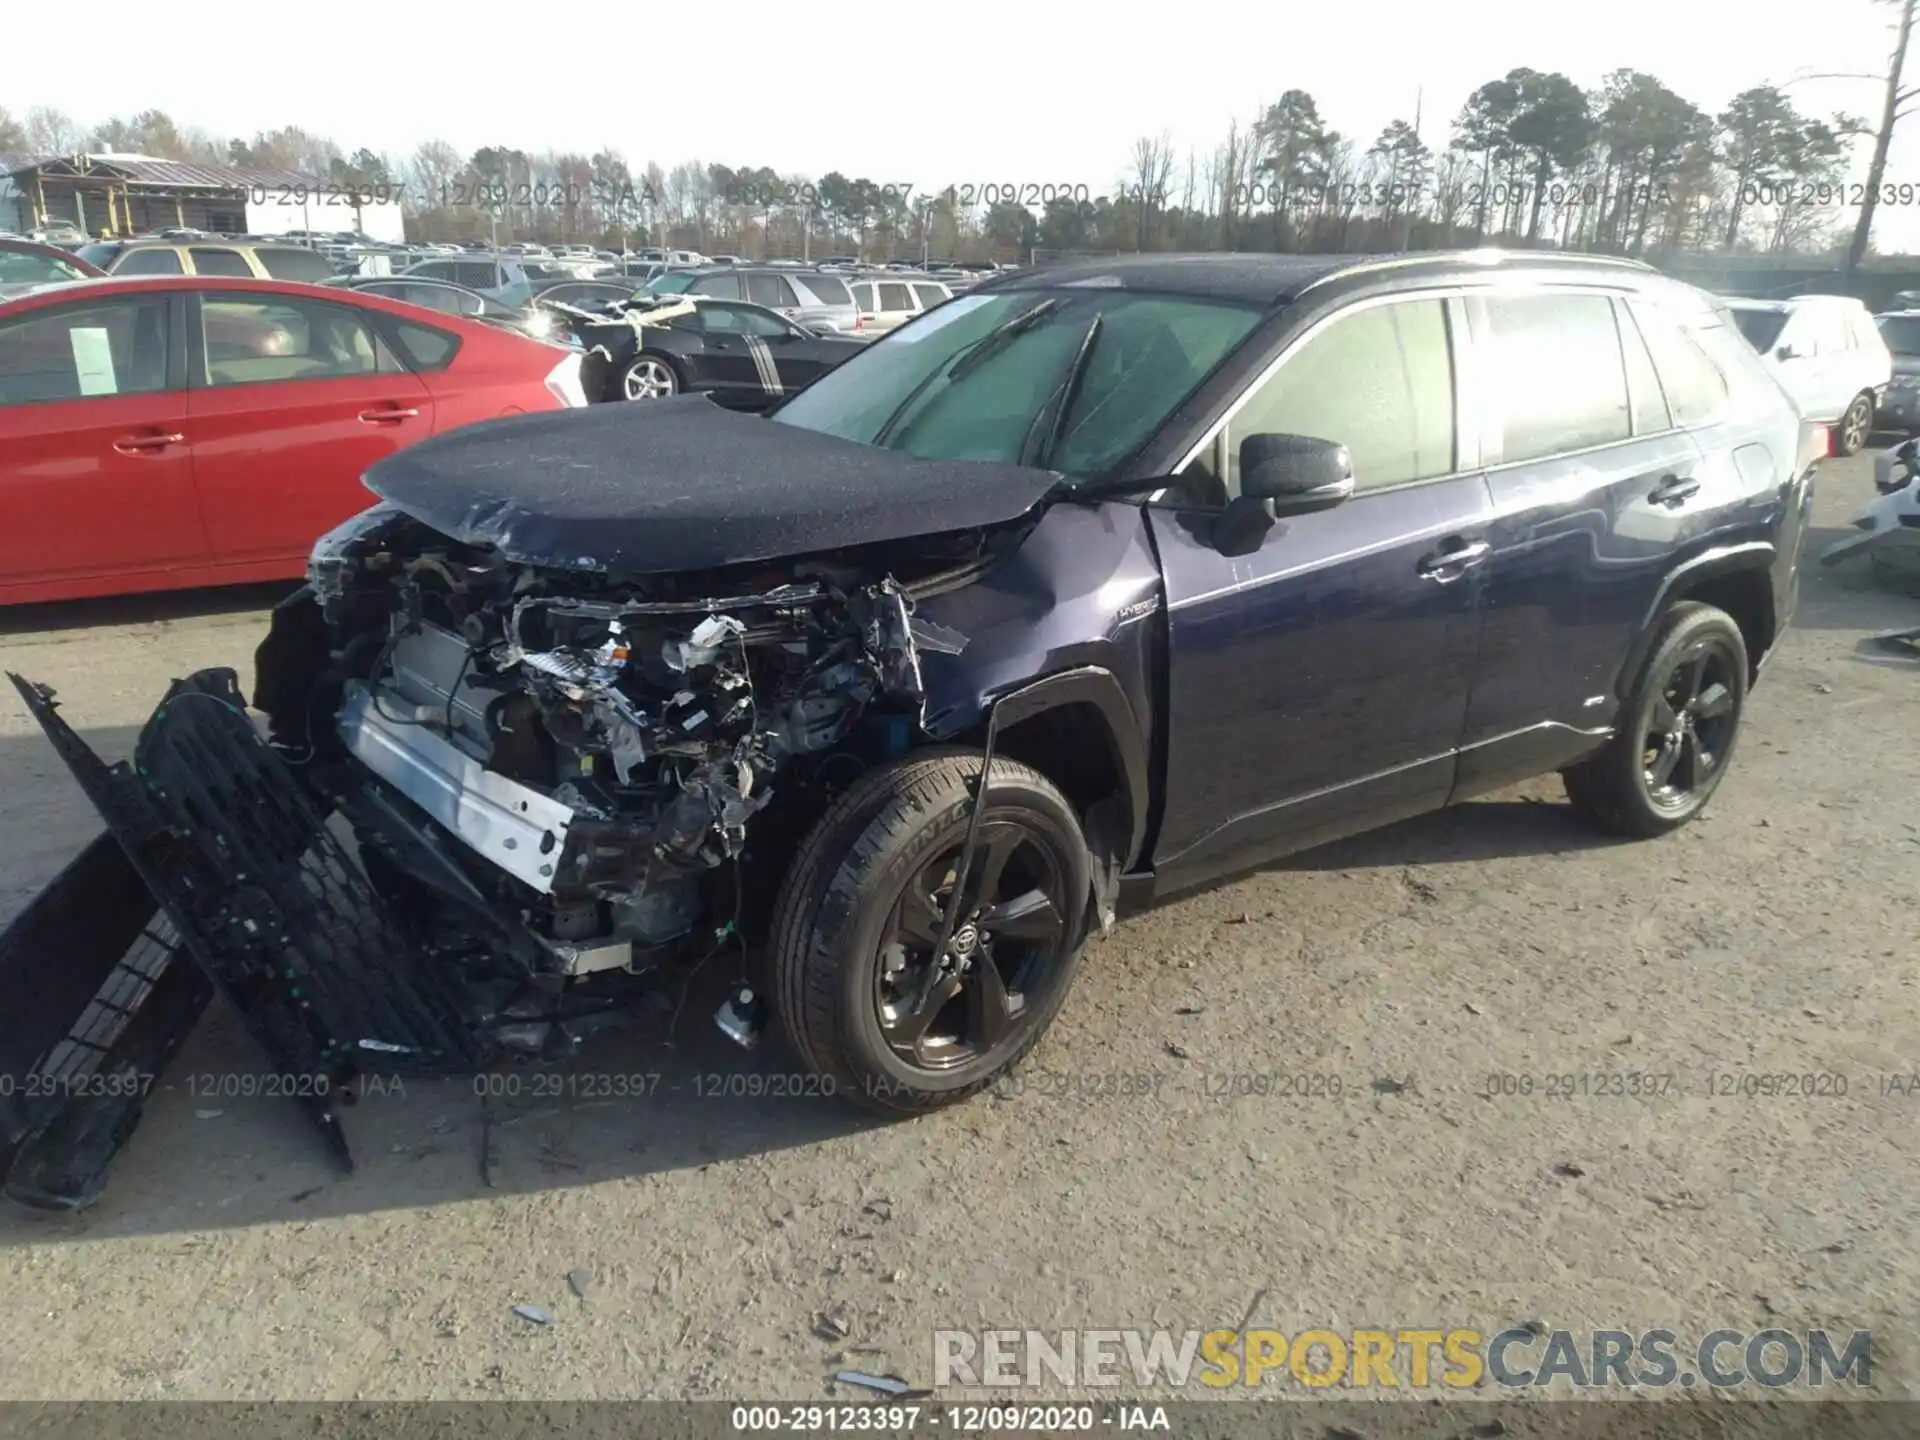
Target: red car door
x: 290, y: 400
x: 96, y: 469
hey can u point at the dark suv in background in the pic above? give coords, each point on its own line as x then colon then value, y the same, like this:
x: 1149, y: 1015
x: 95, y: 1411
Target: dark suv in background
x: 1104, y: 580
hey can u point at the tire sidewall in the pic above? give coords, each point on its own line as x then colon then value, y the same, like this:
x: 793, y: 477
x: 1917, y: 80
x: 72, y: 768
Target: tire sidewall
x: 853, y: 939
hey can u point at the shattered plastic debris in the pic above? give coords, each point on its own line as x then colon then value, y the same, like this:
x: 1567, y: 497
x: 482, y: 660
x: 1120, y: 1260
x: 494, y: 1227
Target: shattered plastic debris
x: 533, y: 1313
x: 885, y: 1384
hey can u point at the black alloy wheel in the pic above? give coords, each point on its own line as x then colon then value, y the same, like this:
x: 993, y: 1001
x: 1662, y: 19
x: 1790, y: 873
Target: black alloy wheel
x: 870, y: 1000
x: 1676, y: 731
x: 1688, y: 729
x: 1004, y: 958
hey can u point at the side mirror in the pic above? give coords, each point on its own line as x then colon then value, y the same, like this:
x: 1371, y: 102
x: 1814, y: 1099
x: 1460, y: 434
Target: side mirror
x: 1786, y: 352
x: 1295, y: 474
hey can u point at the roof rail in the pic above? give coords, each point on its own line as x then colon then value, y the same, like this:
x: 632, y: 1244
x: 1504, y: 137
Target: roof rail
x: 1490, y: 255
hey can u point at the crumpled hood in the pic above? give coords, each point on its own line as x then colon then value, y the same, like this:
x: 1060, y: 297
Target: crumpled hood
x: 681, y: 484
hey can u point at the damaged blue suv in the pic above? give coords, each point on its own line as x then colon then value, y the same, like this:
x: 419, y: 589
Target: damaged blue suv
x: 1196, y: 560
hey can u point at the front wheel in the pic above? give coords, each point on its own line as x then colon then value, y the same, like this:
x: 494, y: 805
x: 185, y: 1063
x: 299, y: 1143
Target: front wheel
x: 648, y: 377
x: 1677, y: 729
x: 862, y: 994
x: 1856, y: 426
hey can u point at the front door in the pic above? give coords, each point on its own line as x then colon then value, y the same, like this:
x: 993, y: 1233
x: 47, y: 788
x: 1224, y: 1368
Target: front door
x: 1318, y: 683
x: 293, y: 400
x: 96, y: 466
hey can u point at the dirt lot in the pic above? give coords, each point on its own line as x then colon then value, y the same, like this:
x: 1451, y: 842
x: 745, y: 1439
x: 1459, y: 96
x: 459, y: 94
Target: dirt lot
x: 1779, y: 935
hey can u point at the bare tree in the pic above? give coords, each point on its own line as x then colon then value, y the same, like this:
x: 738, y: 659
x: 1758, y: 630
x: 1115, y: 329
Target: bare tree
x: 53, y: 132
x: 1898, y: 105
x: 1151, y: 172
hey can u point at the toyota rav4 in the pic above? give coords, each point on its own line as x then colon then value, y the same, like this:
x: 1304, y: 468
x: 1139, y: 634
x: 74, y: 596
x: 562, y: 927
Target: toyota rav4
x: 1093, y: 585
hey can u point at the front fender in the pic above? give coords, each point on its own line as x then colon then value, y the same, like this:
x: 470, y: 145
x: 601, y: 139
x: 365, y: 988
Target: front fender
x: 1073, y: 617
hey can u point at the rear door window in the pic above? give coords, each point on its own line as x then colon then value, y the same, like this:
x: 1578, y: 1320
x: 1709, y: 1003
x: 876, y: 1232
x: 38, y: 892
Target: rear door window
x: 249, y: 341
x: 291, y: 263
x: 1650, y: 413
x: 826, y: 289
x: 216, y: 260
x: 424, y: 347
x: 1553, y: 374
x: 80, y: 352
x: 929, y: 296
x: 1695, y: 390
x: 895, y: 297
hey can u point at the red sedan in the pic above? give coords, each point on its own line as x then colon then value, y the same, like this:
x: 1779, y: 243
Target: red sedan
x: 167, y: 432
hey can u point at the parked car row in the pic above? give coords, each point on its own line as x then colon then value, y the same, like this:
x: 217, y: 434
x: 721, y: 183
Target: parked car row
x: 159, y: 432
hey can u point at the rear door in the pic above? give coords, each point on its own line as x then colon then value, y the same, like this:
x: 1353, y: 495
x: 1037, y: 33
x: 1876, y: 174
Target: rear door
x: 290, y: 401
x: 1595, y: 485
x: 896, y: 303
x: 96, y: 470
x: 773, y: 292
x: 1319, y: 683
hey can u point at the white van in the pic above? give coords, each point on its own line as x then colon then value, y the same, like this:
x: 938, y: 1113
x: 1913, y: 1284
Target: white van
x: 1828, y: 355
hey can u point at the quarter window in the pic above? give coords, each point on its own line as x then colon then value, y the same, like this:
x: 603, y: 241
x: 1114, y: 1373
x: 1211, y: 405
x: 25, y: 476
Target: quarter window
x: 1378, y: 380
x: 272, y: 339
x: 78, y: 352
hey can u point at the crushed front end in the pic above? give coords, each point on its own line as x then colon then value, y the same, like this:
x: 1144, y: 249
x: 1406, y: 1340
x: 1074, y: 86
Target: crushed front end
x: 566, y: 767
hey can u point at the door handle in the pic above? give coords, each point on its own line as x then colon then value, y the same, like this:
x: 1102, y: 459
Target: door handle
x: 1674, y: 490
x: 139, y: 444
x: 1453, y: 558
x: 381, y: 417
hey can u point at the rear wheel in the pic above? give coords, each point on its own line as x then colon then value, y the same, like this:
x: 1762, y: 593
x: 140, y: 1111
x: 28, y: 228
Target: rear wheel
x: 864, y: 995
x: 1677, y: 731
x: 1856, y: 426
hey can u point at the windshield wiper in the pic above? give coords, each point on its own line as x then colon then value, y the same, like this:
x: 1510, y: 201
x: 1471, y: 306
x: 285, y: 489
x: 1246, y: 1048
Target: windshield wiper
x: 969, y: 358
x: 1069, y: 393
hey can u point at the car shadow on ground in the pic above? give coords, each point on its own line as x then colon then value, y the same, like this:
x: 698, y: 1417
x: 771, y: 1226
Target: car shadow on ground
x: 158, y: 607
x: 222, y: 1142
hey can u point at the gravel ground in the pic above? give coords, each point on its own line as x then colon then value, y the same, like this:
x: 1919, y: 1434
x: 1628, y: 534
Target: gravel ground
x: 1146, y: 1172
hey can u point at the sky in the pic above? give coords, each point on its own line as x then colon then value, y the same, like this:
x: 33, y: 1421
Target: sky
x: 1047, y: 93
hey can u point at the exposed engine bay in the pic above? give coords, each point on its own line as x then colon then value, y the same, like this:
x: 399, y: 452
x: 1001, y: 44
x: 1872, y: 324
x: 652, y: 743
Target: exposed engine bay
x: 602, y: 747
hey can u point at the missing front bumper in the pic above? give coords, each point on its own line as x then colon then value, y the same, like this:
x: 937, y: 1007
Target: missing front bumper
x: 221, y: 874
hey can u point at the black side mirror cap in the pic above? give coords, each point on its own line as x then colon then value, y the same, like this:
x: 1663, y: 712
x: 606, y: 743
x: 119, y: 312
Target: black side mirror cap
x: 1295, y: 474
